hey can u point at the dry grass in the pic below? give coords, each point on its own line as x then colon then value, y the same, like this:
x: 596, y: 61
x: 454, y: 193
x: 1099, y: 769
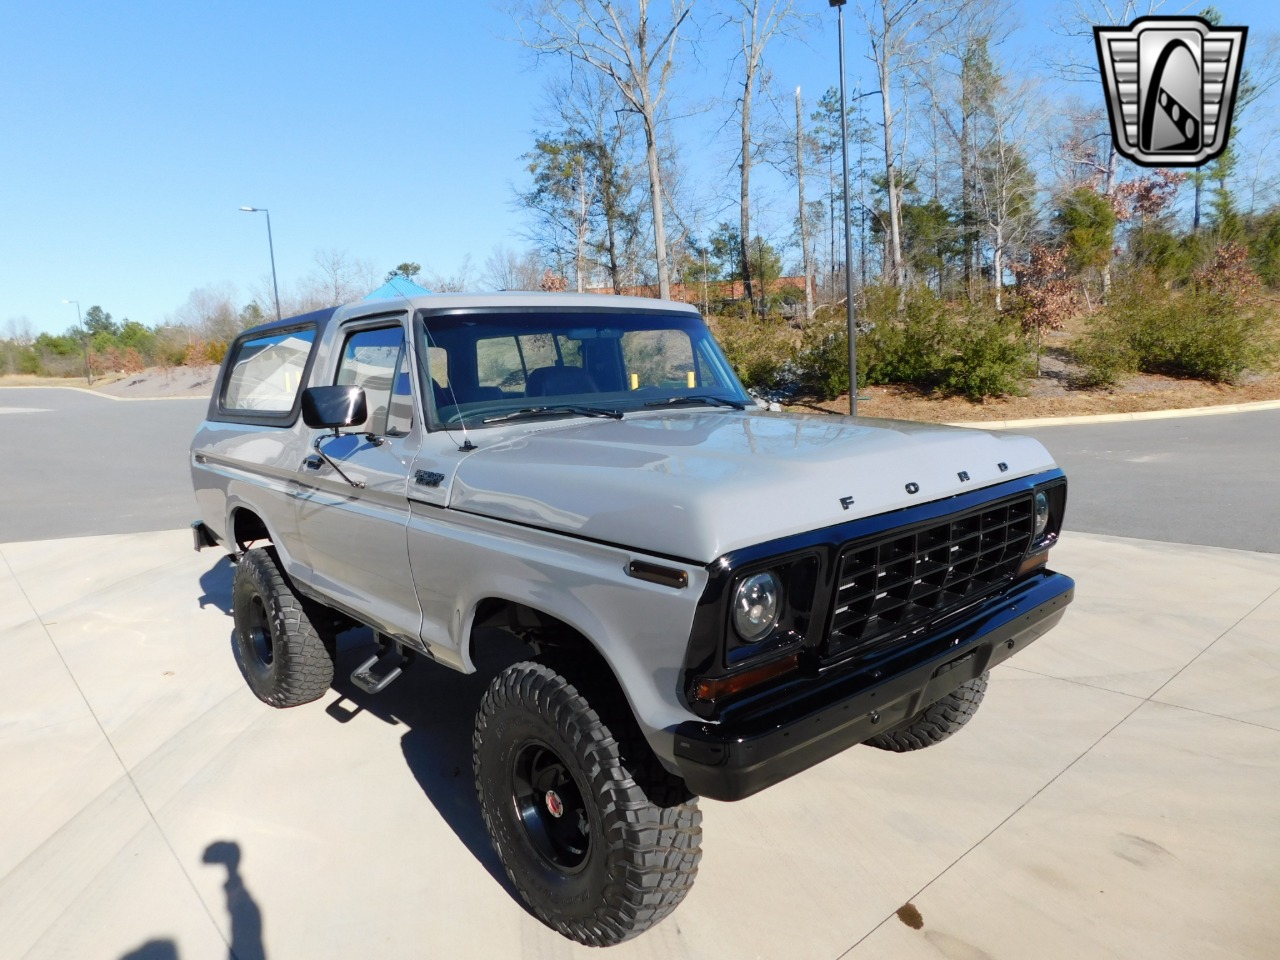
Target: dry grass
x: 1139, y: 393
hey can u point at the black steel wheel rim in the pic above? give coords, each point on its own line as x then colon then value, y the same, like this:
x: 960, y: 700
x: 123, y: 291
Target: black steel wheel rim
x: 550, y: 806
x: 259, y: 632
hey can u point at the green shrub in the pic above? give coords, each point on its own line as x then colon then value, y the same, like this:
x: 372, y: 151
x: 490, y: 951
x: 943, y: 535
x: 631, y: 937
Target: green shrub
x: 913, y: 347
x: 989, y: 357
x: 1212, y: 329
x: 760, y: 349
x: 822, y: 360
x: 1104, y: 353
x: 929, y: 345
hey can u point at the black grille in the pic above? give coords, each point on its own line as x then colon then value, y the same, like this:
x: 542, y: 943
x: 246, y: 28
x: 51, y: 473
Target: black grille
x: 891, y: 584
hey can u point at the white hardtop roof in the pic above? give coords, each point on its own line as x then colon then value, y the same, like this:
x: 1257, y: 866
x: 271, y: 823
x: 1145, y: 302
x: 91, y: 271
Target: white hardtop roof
x: 517, y: 300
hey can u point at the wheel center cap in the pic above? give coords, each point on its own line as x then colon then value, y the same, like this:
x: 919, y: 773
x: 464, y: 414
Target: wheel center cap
x: 555, y: 806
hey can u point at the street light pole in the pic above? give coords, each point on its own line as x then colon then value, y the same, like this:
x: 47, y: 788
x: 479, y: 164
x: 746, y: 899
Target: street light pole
x: 848, y: 233
x: 84, y: 341
x: 272, y: 247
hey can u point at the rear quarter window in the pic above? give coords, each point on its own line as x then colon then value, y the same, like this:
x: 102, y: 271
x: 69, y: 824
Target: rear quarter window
x: 264, y: 375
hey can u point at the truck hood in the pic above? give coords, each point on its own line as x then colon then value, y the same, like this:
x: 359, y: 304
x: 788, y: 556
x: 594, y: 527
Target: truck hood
x: 695, y: 485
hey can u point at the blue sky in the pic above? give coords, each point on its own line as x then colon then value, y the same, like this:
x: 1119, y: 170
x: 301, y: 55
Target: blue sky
x: 130, y: 134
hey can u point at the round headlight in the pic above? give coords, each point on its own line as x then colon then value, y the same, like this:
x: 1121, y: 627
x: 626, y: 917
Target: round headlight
x: 756, y: 606
x: 1042, y: 514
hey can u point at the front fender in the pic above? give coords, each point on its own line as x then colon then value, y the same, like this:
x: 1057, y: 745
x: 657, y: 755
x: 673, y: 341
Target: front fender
x: 640, y: 628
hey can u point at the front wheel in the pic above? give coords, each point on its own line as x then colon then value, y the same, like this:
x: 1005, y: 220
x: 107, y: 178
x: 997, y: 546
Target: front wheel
x: 283, y: 657
x: 580, y: 836
x: 937, y: 721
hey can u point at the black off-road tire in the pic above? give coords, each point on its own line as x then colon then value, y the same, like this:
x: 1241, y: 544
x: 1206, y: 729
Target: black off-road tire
x: 937, y: 721
x: 281, y: 654
x: 620, y: 855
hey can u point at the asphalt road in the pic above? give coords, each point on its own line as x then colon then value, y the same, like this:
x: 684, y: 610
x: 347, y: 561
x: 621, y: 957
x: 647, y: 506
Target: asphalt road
x: 1213, y: 481
x: 73, y: 464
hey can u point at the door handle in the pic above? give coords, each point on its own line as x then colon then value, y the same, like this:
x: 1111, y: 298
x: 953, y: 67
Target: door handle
x: 313, y: 462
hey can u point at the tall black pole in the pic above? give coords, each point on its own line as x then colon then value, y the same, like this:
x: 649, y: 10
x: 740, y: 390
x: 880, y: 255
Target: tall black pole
x: 272, y: 247
x: 848, y: 231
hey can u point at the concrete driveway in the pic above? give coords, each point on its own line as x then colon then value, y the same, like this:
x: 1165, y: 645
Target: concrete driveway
x: 1115, y: 797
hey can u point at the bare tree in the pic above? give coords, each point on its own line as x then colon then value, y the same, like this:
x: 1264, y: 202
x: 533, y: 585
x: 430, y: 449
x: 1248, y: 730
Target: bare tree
x: 955, y: 80
x: 581, y: 202
x: 636, y: 57
x: 806, y: 259
x: 591, y: 107
x: 505, y: 269
x: 18, y: 337
x: 561, y: 197
x: 340, y: 278
x: 18, y: 330
x: 211, y: 312
x: 894, y: 31
x: 456, y: 282
x: 758, y: 22
x: 1077, y: 60
x: 1003, y: 184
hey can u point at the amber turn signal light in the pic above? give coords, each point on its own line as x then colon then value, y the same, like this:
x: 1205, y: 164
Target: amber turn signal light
x: 716, y: 688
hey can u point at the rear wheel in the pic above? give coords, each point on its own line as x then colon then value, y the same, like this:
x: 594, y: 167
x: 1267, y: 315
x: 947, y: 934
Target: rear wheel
x: 591, y: 848
x: 281, y: 654
x: 937, y: 721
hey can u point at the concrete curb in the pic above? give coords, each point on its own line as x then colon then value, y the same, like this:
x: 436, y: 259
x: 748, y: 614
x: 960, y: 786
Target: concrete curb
x: 1118, y: 417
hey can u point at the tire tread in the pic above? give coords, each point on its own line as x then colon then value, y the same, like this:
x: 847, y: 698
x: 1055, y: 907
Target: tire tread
x: 653, y: 849
x: 936, y: 722
x: 302, y: 668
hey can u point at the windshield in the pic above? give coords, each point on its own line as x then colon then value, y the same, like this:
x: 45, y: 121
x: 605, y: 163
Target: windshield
x: 483, y: 367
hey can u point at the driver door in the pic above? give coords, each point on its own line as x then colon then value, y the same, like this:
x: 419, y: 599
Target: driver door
x: 357, y: 537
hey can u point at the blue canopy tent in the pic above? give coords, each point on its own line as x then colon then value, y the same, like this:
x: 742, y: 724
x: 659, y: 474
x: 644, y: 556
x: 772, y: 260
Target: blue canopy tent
x: 396, y: 288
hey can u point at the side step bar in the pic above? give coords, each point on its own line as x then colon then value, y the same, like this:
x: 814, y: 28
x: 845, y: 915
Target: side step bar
x: 377, y: 673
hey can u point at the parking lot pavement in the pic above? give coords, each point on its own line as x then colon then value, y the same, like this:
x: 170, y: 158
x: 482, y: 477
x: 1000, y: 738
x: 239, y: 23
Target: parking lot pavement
x: 1115, y: 797
x: 76, y: 464
x: 1205, y: 479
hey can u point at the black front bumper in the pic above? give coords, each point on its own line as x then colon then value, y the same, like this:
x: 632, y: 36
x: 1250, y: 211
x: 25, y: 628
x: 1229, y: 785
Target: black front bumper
x: 832, y: 710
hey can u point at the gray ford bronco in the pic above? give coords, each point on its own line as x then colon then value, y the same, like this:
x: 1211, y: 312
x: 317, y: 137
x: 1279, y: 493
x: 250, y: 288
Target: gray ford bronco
x: 706, y: 597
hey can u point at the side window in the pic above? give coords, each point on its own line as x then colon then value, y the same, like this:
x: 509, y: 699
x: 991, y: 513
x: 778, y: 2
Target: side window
x: 374, y: 359
x: 661, y: 358
x: 266, y: 372
x: 498, y: 364
x: 438, y: 364
x: 505, y: 363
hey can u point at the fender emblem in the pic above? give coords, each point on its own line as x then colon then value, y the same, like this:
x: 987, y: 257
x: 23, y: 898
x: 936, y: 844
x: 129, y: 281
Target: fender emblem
x: 428, y: 478
x: 846, y: 502
x: 963, y: 475
x: 913, y: 488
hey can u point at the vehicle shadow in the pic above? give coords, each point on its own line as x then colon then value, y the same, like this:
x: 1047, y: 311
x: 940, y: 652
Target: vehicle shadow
x: 437, y: 706
x: 216, y: 582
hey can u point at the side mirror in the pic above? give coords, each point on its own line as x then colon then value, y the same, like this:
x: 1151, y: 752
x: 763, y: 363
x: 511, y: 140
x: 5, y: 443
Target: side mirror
x: 334, y: 407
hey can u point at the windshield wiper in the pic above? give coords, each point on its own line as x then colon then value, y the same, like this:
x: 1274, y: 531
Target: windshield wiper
x: 699, y: 398
x: 530, y: 413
